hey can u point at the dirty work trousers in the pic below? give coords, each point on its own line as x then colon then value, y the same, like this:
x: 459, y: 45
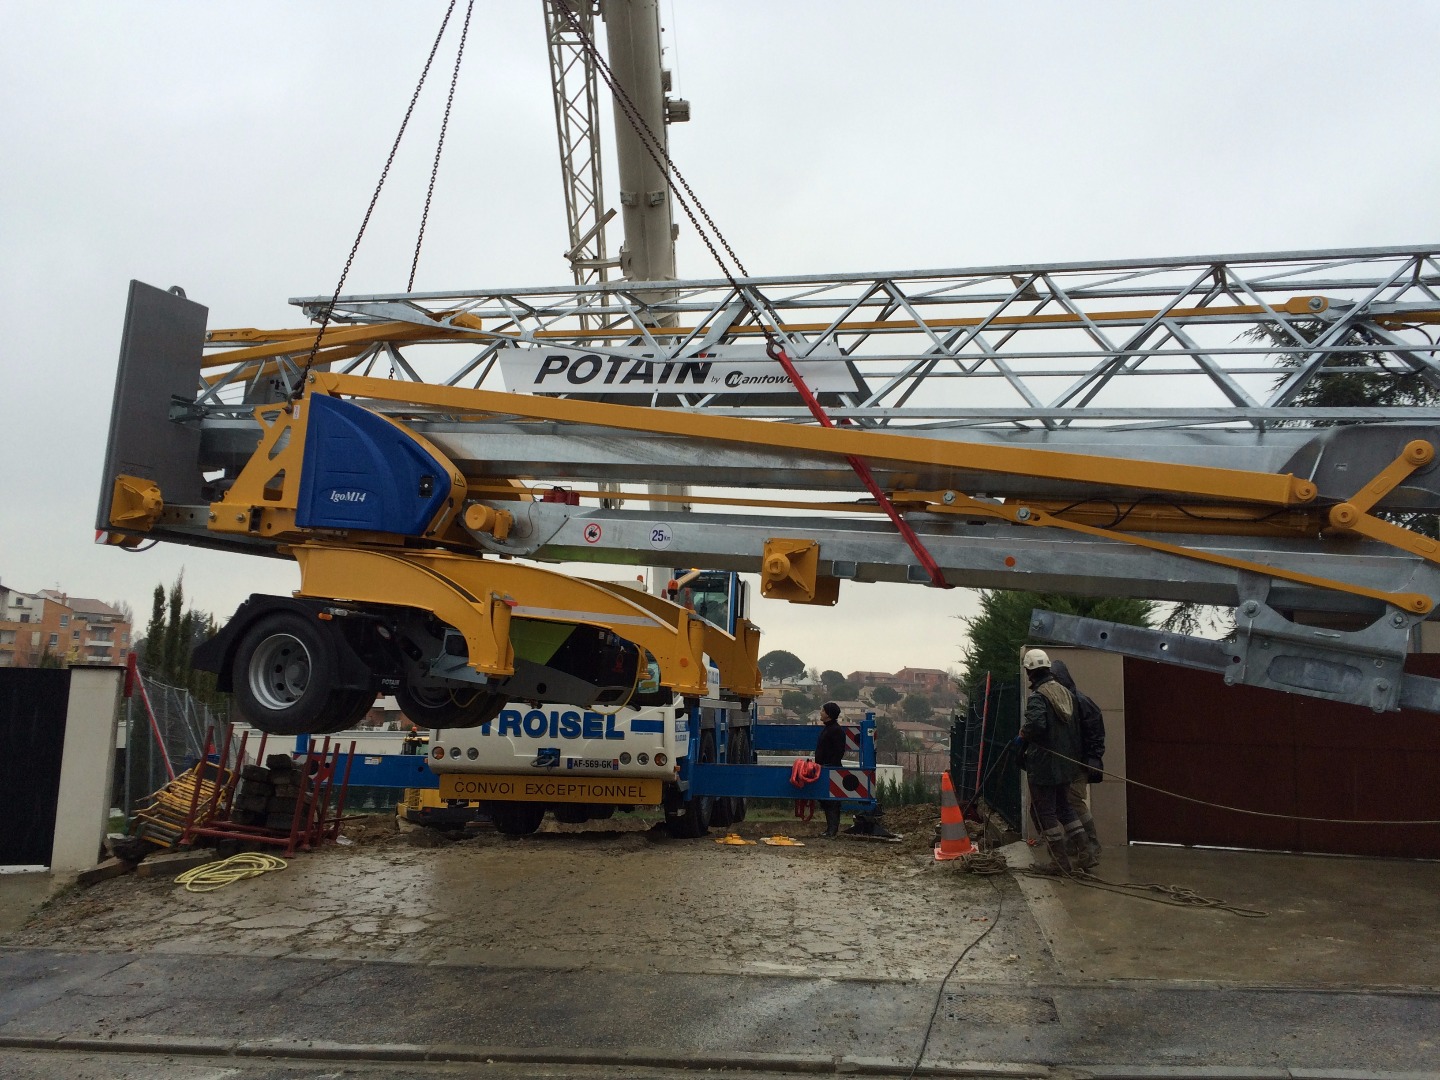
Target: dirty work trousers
x: 1052, y: 806
x: 1057, y: 820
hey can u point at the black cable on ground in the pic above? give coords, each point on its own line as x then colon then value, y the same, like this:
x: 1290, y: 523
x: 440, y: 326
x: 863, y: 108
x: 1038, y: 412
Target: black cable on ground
x: 940, y: 994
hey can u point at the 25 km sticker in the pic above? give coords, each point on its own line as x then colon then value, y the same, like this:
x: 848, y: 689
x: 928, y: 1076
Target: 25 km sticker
x: 660, y: 536
x: 592, y: 533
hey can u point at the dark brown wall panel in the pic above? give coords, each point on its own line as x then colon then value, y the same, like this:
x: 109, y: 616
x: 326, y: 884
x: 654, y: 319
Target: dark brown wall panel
x: 1189, y: 733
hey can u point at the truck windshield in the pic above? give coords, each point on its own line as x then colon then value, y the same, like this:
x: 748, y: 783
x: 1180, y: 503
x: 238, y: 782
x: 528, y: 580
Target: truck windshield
x: 707, y: 594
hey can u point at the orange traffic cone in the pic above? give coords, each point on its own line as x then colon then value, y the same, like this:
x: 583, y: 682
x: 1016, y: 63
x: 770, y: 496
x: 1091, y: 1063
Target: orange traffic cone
x: 954, y: 840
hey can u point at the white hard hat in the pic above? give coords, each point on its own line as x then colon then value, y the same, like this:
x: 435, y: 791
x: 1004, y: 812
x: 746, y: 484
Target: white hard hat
x: 1035, y: 658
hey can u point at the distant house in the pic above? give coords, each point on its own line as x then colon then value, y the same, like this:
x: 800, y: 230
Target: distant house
x: 930, y: 736
x: 871, y: 678
x: 926, y: 680
x: 768, y: 703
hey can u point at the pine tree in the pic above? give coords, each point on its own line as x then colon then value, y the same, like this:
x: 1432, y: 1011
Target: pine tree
x: 1002, y: 627
x: 172, y: 634
x: 152, y: 658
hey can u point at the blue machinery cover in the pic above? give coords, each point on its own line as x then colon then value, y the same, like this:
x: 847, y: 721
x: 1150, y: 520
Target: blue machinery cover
x: 361, y: 471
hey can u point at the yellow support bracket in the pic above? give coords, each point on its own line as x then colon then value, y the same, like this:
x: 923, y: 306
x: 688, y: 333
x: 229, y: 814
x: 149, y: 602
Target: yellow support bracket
x: 135, y: 503
x: 1397, y: 536
x: 737, y: 656
x: 479, y: 597
x: 789, y: 570
x: 1353, y: 515
x: 951, y: 502
x: 1416, y: 454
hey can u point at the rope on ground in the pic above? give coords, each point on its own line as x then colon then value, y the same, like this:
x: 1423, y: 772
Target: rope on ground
x: 217, y: 875
x: 1170, y: 895
x: 1174, y: 895
x: 984, y: 863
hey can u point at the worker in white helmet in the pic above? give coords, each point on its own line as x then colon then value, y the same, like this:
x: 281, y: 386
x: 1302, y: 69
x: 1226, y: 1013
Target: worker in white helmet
x: 1051, y: 724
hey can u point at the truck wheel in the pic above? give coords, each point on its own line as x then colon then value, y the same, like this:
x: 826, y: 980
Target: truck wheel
x: 346, y: 709
x: 282, y: 673
x: 739, y: 754
x: 439, y: 707
x: 690, y: 818
x: 515, y: 818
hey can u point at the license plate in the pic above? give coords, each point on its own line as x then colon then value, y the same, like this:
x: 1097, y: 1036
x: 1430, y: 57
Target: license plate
x: 559, y: 789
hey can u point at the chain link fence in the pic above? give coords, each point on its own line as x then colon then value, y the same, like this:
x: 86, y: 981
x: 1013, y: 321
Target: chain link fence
x: 979, y: 741
x: 182, y: 724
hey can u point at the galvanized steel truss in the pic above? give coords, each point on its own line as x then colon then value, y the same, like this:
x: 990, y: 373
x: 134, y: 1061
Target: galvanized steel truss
x: 577, y: 122
x: 1186, y: 342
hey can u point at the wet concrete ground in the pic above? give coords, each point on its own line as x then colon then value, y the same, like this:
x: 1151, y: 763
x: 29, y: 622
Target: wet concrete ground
x: 625, y: 899
x: 625, y: 949
x: 1335, y: 923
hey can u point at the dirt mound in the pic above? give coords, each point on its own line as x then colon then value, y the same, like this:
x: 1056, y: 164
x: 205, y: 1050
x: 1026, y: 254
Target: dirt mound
x: 370, y: 828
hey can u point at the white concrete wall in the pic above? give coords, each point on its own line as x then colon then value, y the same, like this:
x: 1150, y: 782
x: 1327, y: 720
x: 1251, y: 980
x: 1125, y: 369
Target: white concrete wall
x: 1102, y: 676
x: 1426, y: 638
x: 82, y: 810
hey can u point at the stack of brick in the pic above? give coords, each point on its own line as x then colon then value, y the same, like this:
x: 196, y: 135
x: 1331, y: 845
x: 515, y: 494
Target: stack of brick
x: 269, y: 794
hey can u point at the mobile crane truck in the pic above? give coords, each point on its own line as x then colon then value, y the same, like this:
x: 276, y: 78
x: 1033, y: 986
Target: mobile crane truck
x: 1140, y: 428
x: 410, y: 504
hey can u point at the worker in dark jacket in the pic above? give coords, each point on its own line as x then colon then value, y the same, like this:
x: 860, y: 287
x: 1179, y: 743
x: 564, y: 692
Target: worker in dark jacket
x: 1051, y: 725
x: 830, y: 751
x: 1092, y: 753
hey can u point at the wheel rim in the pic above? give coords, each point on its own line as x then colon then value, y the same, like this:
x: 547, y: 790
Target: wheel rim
x: 280, y: 671
x: 430, y: 697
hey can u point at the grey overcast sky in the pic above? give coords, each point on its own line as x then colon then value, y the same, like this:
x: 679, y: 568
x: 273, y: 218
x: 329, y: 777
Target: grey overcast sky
x: 230, y: 148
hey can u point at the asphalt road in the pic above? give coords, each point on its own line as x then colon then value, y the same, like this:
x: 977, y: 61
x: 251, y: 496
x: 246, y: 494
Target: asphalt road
x: 295, y: 1010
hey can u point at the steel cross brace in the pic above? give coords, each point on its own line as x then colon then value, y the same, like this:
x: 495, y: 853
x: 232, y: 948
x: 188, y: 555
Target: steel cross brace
x: 1359, y: 667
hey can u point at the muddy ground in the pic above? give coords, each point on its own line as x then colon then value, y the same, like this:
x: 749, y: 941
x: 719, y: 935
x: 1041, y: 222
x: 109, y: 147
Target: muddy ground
x: 619, y: 895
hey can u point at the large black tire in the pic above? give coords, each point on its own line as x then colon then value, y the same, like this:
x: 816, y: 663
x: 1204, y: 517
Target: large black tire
x: 515, y: 818
x: 282, y: 674
x: 738, y: 753
x: 346, y: 709
x: 688, y: 819
x: 441, y: 708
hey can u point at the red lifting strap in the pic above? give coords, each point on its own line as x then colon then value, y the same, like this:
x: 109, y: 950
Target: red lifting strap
x: 862, y: 470
x: 803, y: 772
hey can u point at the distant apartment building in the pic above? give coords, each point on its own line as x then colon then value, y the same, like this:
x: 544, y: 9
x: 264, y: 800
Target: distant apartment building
x: 927, y: 680
x: 51, y: 627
